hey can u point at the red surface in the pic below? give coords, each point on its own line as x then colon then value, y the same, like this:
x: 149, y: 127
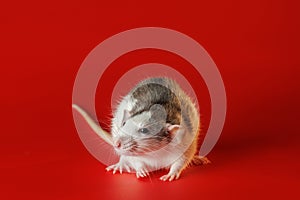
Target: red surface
x: 255, y: 45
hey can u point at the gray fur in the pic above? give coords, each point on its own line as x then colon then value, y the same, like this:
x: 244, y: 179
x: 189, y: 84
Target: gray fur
x: 167, y: 93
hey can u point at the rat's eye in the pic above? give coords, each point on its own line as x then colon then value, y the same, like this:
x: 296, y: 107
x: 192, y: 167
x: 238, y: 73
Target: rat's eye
x: 143, y: 130
x: 123, y: 123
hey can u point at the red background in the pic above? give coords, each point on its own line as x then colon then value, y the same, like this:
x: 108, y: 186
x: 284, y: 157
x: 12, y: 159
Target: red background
x: 254, y: 44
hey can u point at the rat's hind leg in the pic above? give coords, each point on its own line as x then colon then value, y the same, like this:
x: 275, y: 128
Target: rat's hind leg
x: 200, y: 160
x: 179, y: 165
x: 175, y: 169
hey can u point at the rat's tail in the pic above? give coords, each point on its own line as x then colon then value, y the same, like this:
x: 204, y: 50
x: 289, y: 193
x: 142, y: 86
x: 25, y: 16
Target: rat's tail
x: 100, y: 132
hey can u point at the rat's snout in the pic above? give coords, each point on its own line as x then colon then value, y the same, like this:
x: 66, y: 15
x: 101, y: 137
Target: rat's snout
x: 117, y: 144
x: 124, y: 145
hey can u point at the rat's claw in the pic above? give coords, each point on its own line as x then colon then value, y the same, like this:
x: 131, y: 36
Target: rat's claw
x: 170, y: 177
x: 137, y: 174
x: 117, y: 167
x: 110, y: 167
x: 120, y: 166
x: 115, y: 170
x: 142, y: 173
x: 164, y: 178
x: 127, y: 168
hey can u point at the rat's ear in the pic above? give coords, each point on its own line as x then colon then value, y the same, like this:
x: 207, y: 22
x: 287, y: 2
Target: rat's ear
x: 176, y: 132
x: 126, y: 116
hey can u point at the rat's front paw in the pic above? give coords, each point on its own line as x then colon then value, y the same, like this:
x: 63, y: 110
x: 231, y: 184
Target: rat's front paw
x: 142, y: 173
x: 120, y: 166
x: 170, y: 176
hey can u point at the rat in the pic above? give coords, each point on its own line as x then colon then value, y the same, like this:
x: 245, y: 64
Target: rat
x: 156, y: 125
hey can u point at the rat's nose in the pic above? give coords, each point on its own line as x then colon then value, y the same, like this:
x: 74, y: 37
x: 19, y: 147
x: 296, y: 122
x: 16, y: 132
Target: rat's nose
x: 117, y: 144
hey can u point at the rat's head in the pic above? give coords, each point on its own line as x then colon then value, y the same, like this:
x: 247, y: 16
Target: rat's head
x: 143, y: 132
